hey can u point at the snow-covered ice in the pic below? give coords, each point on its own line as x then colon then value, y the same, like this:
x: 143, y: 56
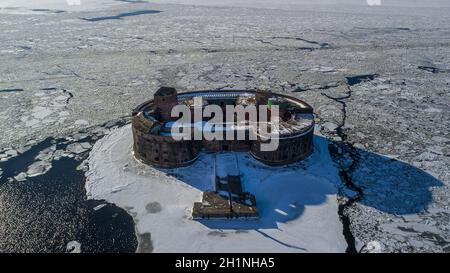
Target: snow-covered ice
x: 298, y: 205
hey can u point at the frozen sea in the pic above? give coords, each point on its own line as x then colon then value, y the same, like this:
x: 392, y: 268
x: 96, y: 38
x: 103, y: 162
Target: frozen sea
x: 376, y: 75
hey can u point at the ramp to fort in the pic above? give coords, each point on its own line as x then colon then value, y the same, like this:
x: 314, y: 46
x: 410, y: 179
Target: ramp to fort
x: 228, y: 200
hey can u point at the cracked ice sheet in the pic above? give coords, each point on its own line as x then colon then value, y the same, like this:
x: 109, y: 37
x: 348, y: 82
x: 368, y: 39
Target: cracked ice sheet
x: 298, y: 205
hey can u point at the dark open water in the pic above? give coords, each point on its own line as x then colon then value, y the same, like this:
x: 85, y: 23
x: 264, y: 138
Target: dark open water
x: 46, y: 212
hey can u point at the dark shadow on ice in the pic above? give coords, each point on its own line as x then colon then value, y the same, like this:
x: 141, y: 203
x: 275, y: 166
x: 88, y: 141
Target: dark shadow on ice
x: 390, y: 185
x: 20, y: 163
x: 433, y: 69
x: 121, y: 15
x: 56, y: 11
x: 280, y: 242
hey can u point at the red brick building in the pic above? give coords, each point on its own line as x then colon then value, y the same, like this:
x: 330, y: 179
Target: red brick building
x: 154, y: 143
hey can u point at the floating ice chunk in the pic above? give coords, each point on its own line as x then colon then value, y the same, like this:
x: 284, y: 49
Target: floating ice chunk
x: 38, y: 168
x: 78, y: 148
x: 79, y: 136
x: 58, y: 154
x: 73, y: 247
x: 99, y: 207
x: 86, y: 145
x: 81, y: 122
x: 22, y: 149
x: 21, y: 177
x: 359, y: 146
x: 45, y: 155
x: 411, y: 218
x: 30, y: 142
x: 11, y: 153
x: 83, y: 166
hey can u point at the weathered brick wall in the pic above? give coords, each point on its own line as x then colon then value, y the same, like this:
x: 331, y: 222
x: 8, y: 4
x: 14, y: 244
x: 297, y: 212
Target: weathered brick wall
x: 289, y: 150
